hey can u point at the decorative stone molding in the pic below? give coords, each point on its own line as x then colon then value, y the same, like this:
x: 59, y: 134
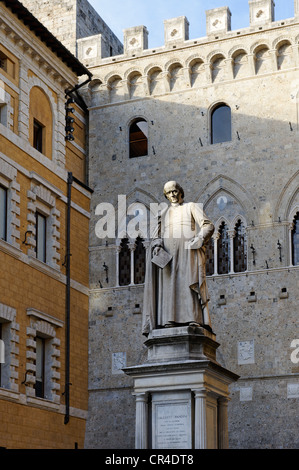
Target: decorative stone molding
x: 236, y: 50
x: 261, y: 12
x: 10, y: 329
x: 91, y: 49
x: 119, y: 91
x: 176, y: 31
x: 8, y: 178
x: 218, y: 21
x: 42, y: 323
x: 7, y: 110
x: 40, y: 197
x: 135, y: 40
x: 58, y: 143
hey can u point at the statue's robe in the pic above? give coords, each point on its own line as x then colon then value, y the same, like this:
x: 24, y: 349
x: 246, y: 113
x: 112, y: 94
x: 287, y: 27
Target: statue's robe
x: 178, y: 292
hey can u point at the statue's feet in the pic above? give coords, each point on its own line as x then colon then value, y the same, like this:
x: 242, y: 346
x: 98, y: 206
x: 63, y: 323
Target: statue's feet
x: 170, y: 324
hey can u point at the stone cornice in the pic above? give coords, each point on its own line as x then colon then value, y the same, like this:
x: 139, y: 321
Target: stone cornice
x: 43, y: 57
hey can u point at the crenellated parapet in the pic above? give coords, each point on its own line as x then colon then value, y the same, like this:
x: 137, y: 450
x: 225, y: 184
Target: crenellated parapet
x: 218, y: 20
x: 261, y: 12
x: 92, y: 51
x: 197, y: 66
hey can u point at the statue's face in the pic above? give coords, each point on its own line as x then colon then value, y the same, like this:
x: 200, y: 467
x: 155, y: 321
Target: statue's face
x: 173, y: 194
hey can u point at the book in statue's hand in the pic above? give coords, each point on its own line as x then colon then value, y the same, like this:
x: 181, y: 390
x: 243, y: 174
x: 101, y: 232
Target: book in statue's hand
x: 162, y: 258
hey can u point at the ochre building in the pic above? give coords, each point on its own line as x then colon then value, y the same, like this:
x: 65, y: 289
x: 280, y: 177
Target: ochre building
x: 44, y: 223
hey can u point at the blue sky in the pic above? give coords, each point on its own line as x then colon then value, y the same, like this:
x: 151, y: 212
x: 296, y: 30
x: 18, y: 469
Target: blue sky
x: 122, y: 14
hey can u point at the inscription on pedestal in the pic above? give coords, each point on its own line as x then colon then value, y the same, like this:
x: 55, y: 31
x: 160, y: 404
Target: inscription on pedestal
x: 172, y: 422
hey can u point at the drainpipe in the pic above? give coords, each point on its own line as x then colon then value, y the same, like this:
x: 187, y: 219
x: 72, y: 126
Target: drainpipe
x: 70, y: 180
x: 68, y: 300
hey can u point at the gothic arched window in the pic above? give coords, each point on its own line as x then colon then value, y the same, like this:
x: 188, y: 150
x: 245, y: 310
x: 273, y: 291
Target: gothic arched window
x: 240, y: 248
x: 139, y: 262
x: 138, y: 138
x: 223, y: 250
x: 210, y: 257
x: 295, y: 240
x: 221, y: 124
x: 124, y: 263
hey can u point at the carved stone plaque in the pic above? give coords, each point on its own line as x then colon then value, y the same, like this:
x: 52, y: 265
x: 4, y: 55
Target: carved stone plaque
x: 245, y: 393
x: 293, y: 390
x: 171, y: 421
x: 246, y: 352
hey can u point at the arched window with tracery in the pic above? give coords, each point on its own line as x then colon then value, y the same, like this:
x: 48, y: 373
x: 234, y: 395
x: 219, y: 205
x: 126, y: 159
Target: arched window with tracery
x: 240, y: 247
x: 130, y: 262
x: 210, y: 257
x: 139, y: 261
x: 295, y: 240
x: 138, y: 138
x: 223, y: 250
x: 124, y: 263
x: 221, y: 124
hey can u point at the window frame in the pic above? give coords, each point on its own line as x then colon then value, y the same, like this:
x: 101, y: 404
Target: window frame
x: 131, y: 245
x: 133, y: 122
x: 39, y: 385
x: 293, y: 232
x: 124, y: 250
x: 5, y: 213
x: 10, y: 337
x: 45, y: 327
x: 244, y: 245
x: 139, y: 258
x: 212, y: 124
x: 220, y: 249
x: 40, y: 216
x: 38, y: 135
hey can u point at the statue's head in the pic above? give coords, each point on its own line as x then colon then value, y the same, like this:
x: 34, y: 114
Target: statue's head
x: 173, y: 192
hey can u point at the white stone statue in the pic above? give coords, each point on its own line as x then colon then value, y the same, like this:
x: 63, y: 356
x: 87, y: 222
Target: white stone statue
x: 177, y: 293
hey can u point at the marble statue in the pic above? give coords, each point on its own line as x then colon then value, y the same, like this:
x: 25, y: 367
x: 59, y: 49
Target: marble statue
x: 176, y: 294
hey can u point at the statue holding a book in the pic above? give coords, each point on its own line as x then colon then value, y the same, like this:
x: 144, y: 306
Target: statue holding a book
x: 175, y: 291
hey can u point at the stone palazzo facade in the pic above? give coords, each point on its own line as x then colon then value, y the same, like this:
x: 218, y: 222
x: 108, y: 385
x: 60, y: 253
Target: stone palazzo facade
x: 219, y: 114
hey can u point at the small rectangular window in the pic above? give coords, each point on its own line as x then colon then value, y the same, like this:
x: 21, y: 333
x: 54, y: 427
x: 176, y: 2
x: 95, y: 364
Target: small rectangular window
x: 7, y: 65
x: 38, y: 134
x: 40, y: 367
x: 3, y: 114
x: 41, y: 236
x: 3, y: 61
x: 3, y: 213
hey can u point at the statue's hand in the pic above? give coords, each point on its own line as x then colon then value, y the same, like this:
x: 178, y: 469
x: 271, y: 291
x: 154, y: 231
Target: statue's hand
x: 195, y: 243
x: 156, y: 250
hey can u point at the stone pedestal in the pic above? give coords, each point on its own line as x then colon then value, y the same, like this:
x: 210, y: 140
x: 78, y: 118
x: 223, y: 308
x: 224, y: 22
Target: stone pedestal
x: 181, y: 391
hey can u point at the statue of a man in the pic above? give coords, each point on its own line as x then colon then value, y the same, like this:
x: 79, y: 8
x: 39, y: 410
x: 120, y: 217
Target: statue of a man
x: 177, y: 293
